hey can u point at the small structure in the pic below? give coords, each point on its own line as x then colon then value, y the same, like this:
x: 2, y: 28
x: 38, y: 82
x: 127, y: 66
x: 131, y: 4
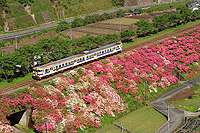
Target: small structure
x: 194, y: 6
x: 136, y: 12
x: 133, y: 13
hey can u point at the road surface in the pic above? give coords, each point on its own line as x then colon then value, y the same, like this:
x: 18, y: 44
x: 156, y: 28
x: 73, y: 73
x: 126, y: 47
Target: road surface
x: 176, y: 116
x: 36, y: 29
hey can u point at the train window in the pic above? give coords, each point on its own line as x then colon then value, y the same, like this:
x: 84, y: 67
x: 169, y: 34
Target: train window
x: 87, y: 56
x: 74, y: 60
x: 59, y: 65
x: 56, y: 67
x: 102, y: 51
x: 62, y: 64
x: 83, y: 58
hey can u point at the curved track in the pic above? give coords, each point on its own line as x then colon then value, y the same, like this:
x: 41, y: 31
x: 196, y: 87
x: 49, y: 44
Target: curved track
x: 177, y: 32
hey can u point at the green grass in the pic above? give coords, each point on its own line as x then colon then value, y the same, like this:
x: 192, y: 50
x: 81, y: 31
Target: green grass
x: 19, y: 91
x: 159, y: 34
x: 126, y: 21
x: 24, y: 128
x: 198, y: 128
x: 16, y: 81
x: 189, y: 104
x: 144, y: 120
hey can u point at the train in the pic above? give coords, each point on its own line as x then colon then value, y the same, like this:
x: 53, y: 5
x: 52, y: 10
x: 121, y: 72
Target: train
x: 51, y: 68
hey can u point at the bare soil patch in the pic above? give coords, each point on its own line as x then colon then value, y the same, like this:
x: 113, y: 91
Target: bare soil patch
x: 183, y: 95
x: 97, y: 29
x: 75, y: 34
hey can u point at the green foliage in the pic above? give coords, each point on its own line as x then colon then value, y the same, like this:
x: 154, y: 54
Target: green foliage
x: 190, y: 104
x: 24, y: 128
x: 198, y: 128
x: 3, y: 4
x: 26, y: 2
x: 120, y: 13
x: 144, y: 27
x: 126, y: 35
x: 93, y: 19
x: 2, y: 43
x: 20, y: 91
x: 139, y: 9
x: 63, y: 25
x: 118, y: 2
x: 77, y: 22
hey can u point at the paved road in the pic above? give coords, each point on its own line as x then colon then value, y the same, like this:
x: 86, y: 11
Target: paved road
x: 30, y: 31
x: 176, y: 116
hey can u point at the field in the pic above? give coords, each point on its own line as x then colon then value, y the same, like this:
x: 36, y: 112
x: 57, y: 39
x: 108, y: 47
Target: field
x: 144, y: 120
x: 188, y: 100
x: 97, y: 29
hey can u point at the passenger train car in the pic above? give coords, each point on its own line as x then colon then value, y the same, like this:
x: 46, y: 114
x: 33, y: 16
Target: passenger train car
x: 72, y: 61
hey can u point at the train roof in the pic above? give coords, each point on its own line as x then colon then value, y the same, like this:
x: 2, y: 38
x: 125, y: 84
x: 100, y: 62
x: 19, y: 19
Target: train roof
x: 103, y: 47
x: 64, y: 60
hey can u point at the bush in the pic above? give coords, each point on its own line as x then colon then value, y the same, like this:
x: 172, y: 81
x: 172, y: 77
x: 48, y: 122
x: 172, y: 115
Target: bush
x: 121, y: 13
x: 63, y: 25
x: 118, y: 2
x: 77, y: 22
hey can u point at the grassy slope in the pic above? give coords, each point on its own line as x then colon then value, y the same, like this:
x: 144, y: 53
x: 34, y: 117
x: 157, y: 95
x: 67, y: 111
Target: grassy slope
x: 18, y: 18
x: 189, y: 104
x: 16, y: 81
x: 144, y: 120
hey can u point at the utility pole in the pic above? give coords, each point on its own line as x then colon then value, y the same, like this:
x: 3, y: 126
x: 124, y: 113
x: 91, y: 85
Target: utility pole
x: 180, y: 74
x: 122, y: 128
x: 120, y: 25
x: 71, y: 38
x: 47, y: 123
x: 168, y: 118
x: 144, y: 88
x: 16, y: 41
x: 60, y: 14
x: 63, y: 13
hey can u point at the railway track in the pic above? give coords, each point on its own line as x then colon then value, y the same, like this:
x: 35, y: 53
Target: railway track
x: 177, y: 32
x: 23, y: 85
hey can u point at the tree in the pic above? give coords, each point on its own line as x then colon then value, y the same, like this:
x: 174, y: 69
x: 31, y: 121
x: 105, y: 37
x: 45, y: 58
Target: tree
x: 126, y: 35
x: 121, y: 13
x: 144, y: 27
x: 77, y: 22
x: 139, y: 9
x: 63, y: 25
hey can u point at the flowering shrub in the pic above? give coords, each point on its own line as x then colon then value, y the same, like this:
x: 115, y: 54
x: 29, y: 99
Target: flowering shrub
x: 79, y: 99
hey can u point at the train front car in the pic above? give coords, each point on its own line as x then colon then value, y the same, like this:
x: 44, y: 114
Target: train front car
x: 37, y: 73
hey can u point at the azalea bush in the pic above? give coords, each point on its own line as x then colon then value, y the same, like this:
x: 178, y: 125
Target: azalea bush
x: 83, y: 97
